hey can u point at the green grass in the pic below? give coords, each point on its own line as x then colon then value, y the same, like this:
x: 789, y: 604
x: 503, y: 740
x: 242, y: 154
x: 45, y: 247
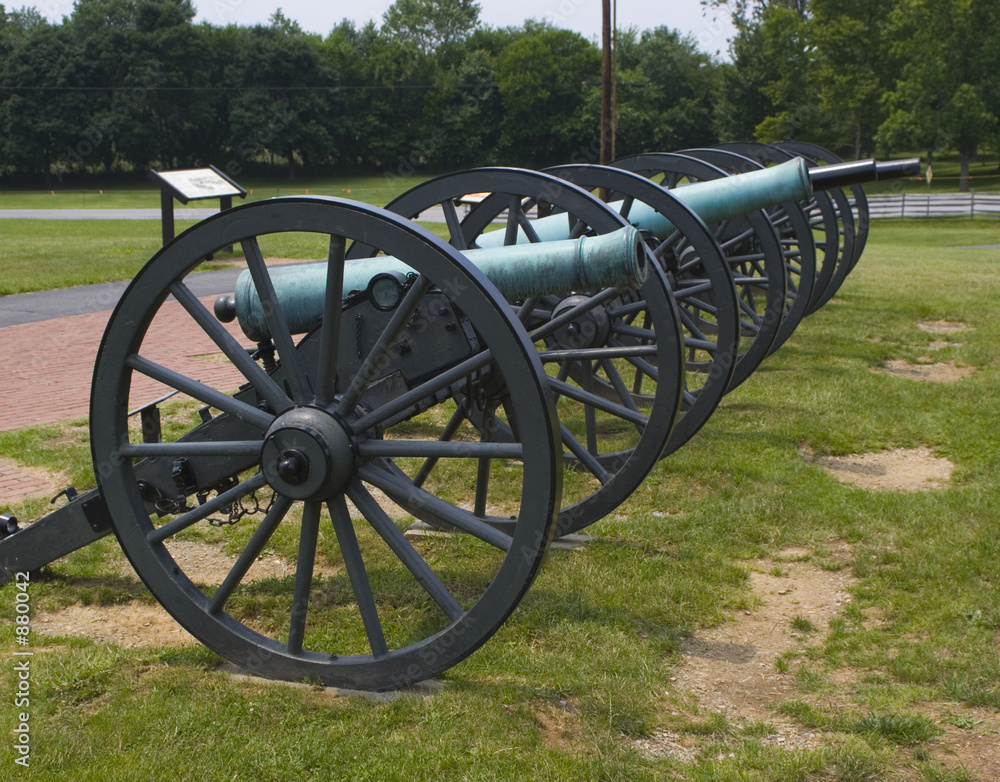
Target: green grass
x: 137, y: 194
x: 587, y: 665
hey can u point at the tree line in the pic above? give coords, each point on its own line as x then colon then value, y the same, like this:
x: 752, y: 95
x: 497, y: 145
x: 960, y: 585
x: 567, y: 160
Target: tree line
x: 124, y: 85
x: 864, y: 76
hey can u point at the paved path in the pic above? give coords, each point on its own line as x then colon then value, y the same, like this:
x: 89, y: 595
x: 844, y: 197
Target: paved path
x: 51, y: 342
x: 50, y: 363
x: 47, y: 305
x: 187, y: 213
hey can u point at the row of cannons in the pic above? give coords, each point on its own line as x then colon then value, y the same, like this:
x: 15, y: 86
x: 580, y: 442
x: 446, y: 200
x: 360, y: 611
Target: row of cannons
x: 417, y: 419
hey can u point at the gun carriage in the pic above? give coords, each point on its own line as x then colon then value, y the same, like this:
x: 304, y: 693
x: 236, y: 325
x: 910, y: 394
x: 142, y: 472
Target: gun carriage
x: 513, y: 383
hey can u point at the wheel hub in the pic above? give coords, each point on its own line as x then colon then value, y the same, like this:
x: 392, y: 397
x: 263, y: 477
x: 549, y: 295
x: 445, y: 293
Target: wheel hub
x: 308, y: 454
x: 589, y: 329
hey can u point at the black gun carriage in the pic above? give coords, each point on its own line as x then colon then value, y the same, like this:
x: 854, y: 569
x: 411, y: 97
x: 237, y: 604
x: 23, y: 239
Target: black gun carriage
x: 511, y: 384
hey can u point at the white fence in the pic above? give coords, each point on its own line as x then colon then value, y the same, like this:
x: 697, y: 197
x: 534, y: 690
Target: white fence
x: 934, y: 205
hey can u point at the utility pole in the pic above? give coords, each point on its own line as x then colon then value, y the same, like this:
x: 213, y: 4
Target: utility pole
x: 607, y: 87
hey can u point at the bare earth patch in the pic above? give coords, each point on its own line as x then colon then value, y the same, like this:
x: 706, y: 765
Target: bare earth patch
x: 941, y: 326
x: 941, y: 344
x: 138, y: 624
x: 971, y: 737
x: 132, y: 625
x: 731, y: 669
x: 901, y: 469
x: 940, y: 372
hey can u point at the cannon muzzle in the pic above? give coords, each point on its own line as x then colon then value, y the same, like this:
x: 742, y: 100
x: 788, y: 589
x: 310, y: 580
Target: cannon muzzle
x: 614, y: 260
x: 861, y: 171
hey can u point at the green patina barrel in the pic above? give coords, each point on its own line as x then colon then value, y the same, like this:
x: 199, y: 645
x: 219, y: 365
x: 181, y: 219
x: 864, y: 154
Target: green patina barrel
x: 615, y: 260
x: 713, y: 201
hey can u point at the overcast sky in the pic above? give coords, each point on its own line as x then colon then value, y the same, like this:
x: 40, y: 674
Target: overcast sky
x: 711, y: 31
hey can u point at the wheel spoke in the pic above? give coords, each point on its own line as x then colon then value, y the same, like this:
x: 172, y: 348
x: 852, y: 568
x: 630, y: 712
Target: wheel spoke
x: 282, y: 337
x: 633, y: 331
x: 186, y: 448
x: 565, y: 389
x: 735, y: 239
x: 635, y: 358
x: 308, y: 534
x: 510, y: 231
x: 619, y: 384
x: 329, y: 340
x: 423, y: 391
x: 586, y: 458
x: 589, y: 414
x: 697, y: 336
x: 262, y: 382
x: 438, y: 449
x: 355, y: 566
x: 446, y: 434
x: 482, y: 486
x: 219, y: 502
x: 525, y: 225
x: 690, y: 288
x: 414, y: 500
x: 249, y: 555
x: 614, y: 350
x: 403, y: 549
x: 200, y: 391
x: 451, y: 219
x: 626, y: 206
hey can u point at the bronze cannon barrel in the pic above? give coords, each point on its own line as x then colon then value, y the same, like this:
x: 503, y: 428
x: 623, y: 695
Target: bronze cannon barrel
x: 614, y: 260
x: 728, y: 197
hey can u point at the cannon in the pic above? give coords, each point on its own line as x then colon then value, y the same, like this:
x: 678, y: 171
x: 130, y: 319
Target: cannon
x: 418, y: 390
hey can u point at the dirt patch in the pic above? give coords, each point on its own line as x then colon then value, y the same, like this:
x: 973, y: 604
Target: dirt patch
x: 130, y: 626
x: 940, y: 372
x: 556, y: 723
x: 138, y: 624
x: 941, y: 326
x: 732, y: 669
x: 901, y: 469
x: 942, y: 344
x: 971, y: 738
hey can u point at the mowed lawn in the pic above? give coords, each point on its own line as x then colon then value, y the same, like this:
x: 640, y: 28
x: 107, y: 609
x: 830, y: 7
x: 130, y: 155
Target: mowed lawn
x: 643, y: 654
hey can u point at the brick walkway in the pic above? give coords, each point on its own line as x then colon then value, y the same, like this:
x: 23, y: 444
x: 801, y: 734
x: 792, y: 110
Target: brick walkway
x: 18, y: 482
x: 50, y: 363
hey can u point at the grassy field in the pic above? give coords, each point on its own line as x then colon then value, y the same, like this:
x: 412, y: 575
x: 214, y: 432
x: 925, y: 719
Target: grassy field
x: 593, y: 677
x: 138, y: 194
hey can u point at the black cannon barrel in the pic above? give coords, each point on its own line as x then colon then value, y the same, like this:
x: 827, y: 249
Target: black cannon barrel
x: 859, y: 172
x: 897, y: 169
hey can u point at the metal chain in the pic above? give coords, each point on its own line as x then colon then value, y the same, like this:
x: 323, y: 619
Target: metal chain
x: 245, y: 506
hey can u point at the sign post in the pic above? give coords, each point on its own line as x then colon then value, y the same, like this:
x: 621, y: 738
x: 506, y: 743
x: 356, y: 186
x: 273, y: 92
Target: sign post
x: 193, y: 184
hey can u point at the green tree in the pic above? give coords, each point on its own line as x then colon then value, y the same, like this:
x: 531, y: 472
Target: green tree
x: 42, y: 101
x: 464, y: 113
x: 946, y: 96
x: 431, y: 24
x: 546, y: 80
x: 396, y: 77
x: 675, y: 86
x: 855, y: 66
x: 282, y: 106
x: 786, y: 42
x: 743, y: 103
